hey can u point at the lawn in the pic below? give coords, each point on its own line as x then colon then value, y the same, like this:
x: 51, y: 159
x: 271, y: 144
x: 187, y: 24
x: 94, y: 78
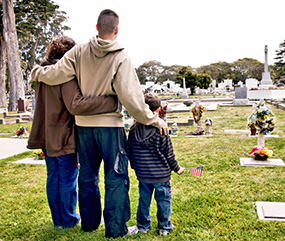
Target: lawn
x: 219, y: 205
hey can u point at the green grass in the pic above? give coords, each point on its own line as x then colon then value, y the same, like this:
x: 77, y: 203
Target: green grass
x: 219, y: 205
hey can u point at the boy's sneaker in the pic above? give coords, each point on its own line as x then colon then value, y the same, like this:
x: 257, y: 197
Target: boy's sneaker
x: 143, y: 230
x: 163, y: 232
x: 133, y: 230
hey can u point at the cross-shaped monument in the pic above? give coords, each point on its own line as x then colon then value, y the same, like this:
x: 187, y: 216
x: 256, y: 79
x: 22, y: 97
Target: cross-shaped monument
x: 266, y: 81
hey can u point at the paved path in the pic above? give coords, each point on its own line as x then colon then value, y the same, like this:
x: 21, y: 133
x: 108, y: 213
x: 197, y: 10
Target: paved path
x: 12, y: 146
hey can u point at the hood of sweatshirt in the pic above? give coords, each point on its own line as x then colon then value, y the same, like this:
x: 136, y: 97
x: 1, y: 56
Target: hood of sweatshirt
x: 101, y: 47
x: 143, y: 133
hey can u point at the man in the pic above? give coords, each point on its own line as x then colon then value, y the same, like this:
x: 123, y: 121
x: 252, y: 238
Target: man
x: 102, y: 67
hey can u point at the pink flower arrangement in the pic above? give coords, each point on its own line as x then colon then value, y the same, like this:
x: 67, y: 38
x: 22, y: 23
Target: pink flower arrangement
x: 22, y: 132
x: 261, y: 153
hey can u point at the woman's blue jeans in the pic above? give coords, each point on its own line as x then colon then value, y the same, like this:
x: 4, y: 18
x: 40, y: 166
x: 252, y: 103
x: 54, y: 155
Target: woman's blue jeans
x: 94, y: 145
x: 162, y: 196
x: 61, y: 189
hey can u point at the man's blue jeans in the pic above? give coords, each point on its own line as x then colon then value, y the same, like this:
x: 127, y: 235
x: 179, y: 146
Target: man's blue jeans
x: 61, y: 189
x: 162, y: 196
x: 94, y: 145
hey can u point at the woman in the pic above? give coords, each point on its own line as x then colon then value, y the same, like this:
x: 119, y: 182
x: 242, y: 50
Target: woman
x: 53, y: 131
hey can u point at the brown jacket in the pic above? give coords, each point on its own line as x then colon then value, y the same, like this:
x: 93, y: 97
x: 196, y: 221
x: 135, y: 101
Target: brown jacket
x: 53, y: 126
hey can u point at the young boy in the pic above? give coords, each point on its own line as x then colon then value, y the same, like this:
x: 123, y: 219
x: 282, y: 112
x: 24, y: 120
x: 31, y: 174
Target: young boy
x: 151, y: 156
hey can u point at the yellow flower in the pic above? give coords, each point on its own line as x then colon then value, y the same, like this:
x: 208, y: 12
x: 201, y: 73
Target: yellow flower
x: 37, y: 151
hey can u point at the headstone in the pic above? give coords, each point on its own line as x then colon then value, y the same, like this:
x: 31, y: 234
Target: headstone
x: 21, y: 106
x: 271, y: 211
x: 240, y: 96
x: 236, y: 131
x: 31, y: 116
x: 266, y: 81
x: 184, y: 92
x: 32, y: 161
x: 250, y: 162
x: 190, y: 121
x: 251, y: 83
x: 221, y: 86
x: 228, y: 82
x: 240, y: 83
x: 2, y: 121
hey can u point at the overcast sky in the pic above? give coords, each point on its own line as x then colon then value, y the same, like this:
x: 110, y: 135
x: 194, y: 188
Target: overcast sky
x: 185, y: 32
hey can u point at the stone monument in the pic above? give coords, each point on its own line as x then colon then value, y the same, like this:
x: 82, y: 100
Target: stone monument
x: 184, y: 94
x: 21, y: 106
x: 266, y: 81
x: 240, y: 96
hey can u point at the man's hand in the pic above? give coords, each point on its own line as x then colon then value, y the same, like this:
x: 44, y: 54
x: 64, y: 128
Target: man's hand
x: 164, y: 128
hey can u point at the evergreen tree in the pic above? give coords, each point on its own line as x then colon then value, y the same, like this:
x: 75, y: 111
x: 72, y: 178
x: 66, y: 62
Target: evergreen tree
x: 280, y: 57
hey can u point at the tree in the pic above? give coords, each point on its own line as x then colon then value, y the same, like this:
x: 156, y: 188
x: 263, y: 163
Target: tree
x: 247, y: 68
x: 204, y: 79
x: 192, y: 80
x: 2, y: 62
x: 169, y: 73
x: 38, y: 22
x: 2, y: 72
x: 13, y: 58
x: 218, y: 71
x: 149, y: 71
x: 280, y: 64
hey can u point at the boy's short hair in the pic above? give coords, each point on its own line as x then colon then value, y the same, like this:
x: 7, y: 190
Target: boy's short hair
x: 153, y: 101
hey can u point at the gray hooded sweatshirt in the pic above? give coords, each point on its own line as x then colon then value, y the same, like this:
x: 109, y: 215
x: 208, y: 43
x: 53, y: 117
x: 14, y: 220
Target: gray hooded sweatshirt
x: 102, y: 68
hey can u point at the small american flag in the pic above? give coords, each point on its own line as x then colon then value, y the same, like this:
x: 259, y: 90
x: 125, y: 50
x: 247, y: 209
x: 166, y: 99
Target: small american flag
x: 197, y: 171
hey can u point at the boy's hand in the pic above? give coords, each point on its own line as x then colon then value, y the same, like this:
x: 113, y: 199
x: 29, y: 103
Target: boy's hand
x: 181, y: 170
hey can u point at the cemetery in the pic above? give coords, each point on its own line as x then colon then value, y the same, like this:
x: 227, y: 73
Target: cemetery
x: 235, y: 191
x: 235, y: 133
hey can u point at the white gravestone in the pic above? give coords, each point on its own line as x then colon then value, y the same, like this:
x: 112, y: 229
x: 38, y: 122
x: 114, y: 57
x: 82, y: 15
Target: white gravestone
x: 251, y: 83
x: 271, y: 211
x: 266, y: 81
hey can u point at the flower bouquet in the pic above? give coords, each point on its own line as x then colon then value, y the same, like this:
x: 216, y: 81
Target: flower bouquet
x: 163, y: 112
x: 22, y: 132
x: 39, y: 153
x: 197, y: 114
x: 261, y: 153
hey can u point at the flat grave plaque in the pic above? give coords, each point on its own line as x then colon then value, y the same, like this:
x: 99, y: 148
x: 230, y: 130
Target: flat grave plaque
x: 250, y: 162
x: 198, y: 135
x: 266, y: 136
x: 32, y: 161
x: 237, y: 131
x: 271, y: 210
